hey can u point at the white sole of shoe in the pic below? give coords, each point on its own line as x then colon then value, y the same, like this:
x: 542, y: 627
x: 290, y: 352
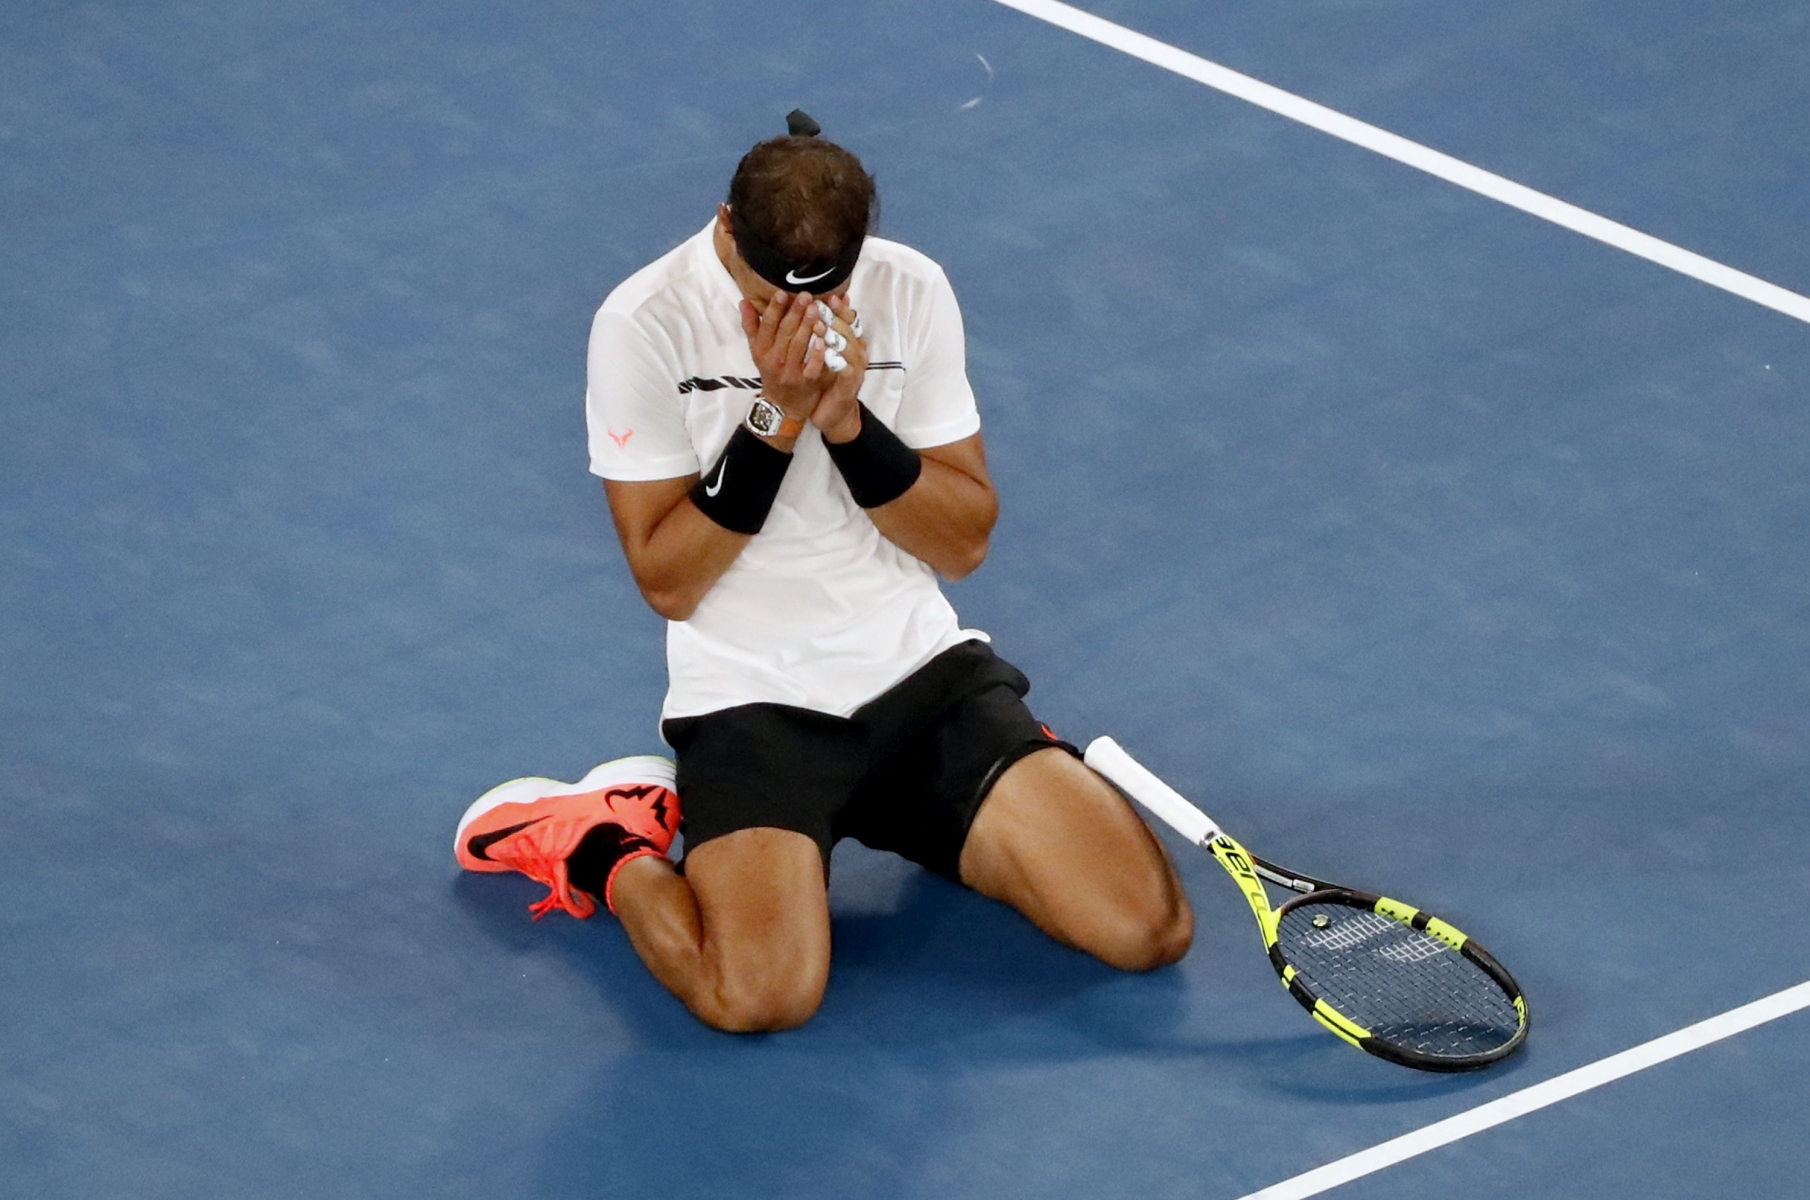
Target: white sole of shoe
x: 637, y: 768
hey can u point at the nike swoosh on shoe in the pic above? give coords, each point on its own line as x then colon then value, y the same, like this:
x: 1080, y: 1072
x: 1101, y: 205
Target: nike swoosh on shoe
x: 485, y: 841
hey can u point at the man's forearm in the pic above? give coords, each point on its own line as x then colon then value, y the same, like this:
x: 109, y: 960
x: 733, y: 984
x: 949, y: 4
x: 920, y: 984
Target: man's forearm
x: 678, y: 557
x: 944, y: 519
x: 687, y: 555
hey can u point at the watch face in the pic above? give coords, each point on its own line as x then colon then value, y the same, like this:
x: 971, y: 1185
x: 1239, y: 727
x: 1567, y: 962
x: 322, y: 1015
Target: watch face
x: 764, y: 417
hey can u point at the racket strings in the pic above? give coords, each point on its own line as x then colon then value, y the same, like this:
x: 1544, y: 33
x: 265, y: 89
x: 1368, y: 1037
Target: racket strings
x: 1405, y: 986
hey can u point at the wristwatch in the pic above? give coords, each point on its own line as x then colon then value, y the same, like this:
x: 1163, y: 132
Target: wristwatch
x: 767, y: 420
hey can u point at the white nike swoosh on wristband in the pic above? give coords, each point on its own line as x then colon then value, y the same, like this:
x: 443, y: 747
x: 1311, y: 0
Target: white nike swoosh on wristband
x: 722, y: 469
x: 792, y: 276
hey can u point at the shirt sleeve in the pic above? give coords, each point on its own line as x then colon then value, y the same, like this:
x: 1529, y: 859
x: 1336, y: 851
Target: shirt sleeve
x: 938, y: 404
x: 631, y: 407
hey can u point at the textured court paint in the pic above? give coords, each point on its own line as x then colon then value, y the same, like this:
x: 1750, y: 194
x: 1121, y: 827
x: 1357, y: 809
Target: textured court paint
x: 1413, y: 154
x: 1540, y: 1095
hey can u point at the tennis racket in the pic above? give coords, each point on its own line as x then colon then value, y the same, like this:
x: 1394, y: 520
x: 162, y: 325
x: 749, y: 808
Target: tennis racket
x: 1385, y: 976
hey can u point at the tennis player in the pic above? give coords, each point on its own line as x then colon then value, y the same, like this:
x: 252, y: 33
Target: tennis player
x: 789, y: 520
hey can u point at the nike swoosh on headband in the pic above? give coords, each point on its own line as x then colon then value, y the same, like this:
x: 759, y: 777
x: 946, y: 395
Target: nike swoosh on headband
x: 793, y: 276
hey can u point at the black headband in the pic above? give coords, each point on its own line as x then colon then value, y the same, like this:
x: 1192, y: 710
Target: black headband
x: 788, y: 275
x: 817, y: 275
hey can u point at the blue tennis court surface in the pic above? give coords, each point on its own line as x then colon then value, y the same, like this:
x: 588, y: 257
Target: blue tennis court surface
x: 1427, y: 545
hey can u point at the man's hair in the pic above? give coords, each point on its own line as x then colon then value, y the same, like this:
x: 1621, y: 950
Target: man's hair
x: 806, y: 197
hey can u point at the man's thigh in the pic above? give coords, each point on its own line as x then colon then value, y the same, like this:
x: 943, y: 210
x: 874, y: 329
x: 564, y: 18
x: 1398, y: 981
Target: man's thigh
x: 941, y: 740
x: 764, y: 919
x: 1056, y: 842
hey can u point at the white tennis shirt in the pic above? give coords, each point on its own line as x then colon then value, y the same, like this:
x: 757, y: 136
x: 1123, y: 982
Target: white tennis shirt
x: 819, y: 611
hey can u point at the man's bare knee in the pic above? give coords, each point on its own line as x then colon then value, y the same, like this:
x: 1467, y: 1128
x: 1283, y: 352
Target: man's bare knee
x: 762, y: 1005
x: 1147, y: 936
x: 760, y: 957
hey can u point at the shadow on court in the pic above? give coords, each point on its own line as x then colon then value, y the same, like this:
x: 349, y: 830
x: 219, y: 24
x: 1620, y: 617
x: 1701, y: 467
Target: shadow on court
x: 941, y: 1005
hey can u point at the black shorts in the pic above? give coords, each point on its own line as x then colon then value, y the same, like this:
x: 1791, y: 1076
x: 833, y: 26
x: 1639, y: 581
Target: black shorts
x: 906, y: 772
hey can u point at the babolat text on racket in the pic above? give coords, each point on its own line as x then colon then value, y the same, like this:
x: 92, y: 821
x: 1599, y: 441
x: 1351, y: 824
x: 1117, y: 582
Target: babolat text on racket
x: 1383, y: 975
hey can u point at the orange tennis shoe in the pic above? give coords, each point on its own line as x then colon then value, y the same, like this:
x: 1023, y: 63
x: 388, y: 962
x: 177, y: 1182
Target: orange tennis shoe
x: 620, y: 811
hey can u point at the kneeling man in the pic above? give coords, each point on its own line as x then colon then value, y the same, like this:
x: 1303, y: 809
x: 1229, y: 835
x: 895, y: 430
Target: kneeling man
x: 780, y: 411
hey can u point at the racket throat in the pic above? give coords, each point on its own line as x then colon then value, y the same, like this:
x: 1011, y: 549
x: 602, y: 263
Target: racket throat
x: 1243, y: 870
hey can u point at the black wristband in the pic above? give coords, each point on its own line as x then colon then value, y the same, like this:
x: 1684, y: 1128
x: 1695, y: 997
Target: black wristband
x: 738, y: 492
x: 876, y: 465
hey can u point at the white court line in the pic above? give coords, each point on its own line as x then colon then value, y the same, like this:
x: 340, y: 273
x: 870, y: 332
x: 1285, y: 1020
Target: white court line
x: 1540, y: 1095
x: 1415, y: 155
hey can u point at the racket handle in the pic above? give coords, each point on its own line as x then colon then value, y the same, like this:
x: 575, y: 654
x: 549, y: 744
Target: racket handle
x: 1135, y: 780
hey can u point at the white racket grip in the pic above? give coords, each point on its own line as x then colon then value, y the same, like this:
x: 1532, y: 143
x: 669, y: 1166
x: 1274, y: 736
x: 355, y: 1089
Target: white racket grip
x: 1135, y: 780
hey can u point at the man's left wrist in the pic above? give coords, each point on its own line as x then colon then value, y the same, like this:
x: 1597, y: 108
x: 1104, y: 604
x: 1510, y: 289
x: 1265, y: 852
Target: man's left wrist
x: 846, y: 430
x: 877, y: 465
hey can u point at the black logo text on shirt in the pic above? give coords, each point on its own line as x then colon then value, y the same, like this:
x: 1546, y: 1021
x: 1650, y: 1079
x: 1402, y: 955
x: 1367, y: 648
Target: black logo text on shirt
x: 699, y: 383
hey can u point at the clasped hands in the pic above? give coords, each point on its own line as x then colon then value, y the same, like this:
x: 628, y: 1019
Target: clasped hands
x: 787, y: 337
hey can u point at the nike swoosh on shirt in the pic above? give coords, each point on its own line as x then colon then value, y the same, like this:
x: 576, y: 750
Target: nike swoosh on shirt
x: 722, y: 469
x: 793, y: 276
x: 483, y: 842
